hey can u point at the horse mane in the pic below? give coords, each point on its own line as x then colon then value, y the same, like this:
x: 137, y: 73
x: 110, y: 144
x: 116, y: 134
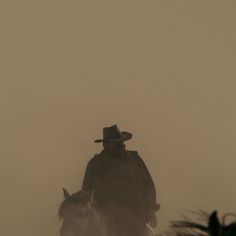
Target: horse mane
x: 189, y: 227
x: 199, y: 227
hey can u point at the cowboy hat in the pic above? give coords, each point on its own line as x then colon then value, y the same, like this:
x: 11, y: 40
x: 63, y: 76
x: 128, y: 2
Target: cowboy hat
x: 113, y: 134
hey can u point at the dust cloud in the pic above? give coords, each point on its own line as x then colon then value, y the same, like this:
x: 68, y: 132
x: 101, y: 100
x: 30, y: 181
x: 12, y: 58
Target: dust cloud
x: 163, y: 70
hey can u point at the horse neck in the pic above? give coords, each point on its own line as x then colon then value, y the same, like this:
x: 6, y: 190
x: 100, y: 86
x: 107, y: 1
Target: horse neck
x: 98, y: 220
x: 91, y: 223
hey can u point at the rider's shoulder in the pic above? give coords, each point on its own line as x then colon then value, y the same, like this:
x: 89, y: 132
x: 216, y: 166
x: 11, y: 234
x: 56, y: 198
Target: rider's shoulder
x: 132, y: 153
x: 94, y: 160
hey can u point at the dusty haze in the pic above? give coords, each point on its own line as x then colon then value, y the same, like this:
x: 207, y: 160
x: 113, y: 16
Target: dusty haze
x: 163, y: 70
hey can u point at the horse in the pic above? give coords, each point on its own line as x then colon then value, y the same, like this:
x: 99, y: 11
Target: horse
x: 212, y: 227
x: 80, y: 217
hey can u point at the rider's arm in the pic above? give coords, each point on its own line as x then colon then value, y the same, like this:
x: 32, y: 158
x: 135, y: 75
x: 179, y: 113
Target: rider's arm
x: 149, y: 187
x: 88, y: 184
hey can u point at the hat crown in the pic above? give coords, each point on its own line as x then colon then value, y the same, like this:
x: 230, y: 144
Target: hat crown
x: 111, y: 132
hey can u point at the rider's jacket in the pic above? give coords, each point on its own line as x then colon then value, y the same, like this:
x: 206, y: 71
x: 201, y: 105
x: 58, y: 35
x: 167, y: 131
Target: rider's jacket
x: 120, y: 177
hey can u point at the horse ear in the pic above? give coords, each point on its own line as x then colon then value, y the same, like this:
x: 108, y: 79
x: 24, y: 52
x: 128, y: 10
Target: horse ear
x: 214, y: 224
x: 66, y: 194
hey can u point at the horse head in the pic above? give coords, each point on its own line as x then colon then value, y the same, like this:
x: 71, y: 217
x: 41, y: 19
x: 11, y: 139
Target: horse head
x: 79, y: 215
x: 75, y: 205
x: 216, y: 228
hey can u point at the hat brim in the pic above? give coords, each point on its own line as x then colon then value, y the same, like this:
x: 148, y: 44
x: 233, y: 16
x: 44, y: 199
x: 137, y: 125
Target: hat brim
x: 124, y: 137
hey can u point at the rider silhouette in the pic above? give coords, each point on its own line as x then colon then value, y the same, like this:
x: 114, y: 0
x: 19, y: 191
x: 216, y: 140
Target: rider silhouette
x: 122, y: 186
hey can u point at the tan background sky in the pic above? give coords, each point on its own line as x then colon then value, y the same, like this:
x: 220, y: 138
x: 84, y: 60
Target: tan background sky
x: 164, y: 70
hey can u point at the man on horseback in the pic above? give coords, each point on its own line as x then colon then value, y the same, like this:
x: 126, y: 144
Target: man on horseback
x: 123, y: 188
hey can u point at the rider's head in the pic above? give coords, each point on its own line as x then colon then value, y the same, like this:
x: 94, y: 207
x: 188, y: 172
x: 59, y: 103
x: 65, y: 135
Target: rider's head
x: 109, y: 144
